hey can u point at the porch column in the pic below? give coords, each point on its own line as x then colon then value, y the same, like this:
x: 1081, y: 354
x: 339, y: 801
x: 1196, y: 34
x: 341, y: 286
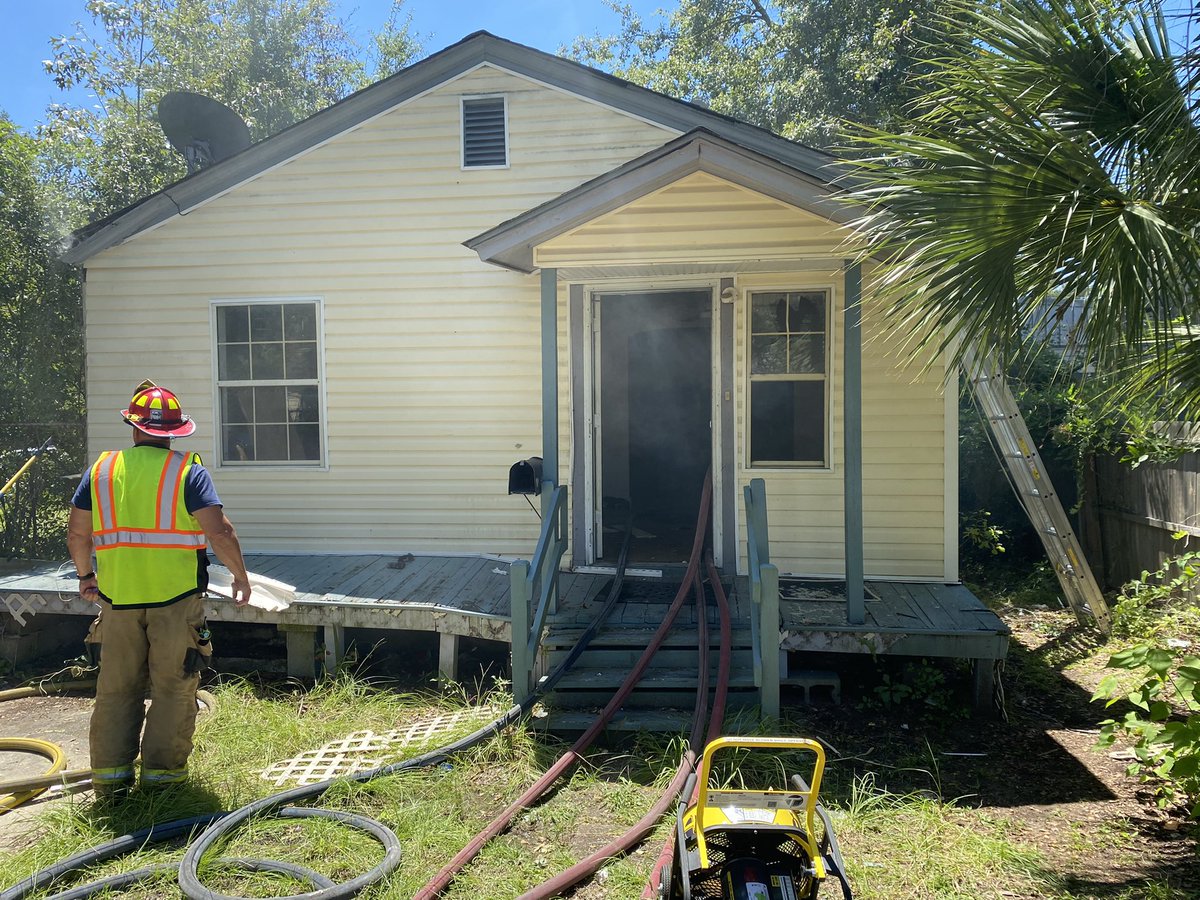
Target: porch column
x: 549, y: 383
x: 852, y: 454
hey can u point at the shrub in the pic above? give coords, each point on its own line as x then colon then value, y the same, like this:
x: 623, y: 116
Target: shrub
x: 1164, y: 724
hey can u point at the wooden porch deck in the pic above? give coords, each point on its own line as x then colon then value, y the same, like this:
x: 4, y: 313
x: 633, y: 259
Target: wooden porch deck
x: 902, y: 618
x: 469, y: 596
x: 452, y: 596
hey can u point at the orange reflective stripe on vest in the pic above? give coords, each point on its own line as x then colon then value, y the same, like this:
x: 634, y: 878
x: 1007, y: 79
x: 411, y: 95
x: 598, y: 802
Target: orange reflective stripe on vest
x: 102, y: 487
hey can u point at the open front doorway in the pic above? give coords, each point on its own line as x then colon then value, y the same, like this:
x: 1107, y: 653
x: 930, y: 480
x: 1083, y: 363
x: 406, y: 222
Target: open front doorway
x: 653, y: 437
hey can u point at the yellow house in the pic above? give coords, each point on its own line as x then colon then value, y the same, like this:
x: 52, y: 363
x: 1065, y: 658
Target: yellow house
x: 498, y: 254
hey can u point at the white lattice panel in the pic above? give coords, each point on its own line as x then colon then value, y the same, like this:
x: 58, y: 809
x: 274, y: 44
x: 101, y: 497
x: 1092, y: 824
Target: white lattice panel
x: 362, y: 750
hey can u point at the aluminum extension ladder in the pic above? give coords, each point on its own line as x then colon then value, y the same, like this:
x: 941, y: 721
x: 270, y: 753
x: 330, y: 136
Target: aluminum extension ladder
x: 1035, y: 492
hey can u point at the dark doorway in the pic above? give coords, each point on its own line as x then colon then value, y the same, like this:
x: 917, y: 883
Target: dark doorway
x: 655, y: 410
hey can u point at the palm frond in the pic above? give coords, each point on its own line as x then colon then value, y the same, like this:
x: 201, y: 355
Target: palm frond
x: 1052, y: 162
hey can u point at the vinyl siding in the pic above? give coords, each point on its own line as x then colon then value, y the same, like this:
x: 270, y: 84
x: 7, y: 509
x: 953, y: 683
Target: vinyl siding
x: 703, y: 219
x: 699, y: 219
x: 431, y: 357
x: 904, y: 432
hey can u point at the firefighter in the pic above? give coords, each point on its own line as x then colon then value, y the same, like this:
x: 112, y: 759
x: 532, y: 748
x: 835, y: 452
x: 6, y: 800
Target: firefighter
x: 149, y: 513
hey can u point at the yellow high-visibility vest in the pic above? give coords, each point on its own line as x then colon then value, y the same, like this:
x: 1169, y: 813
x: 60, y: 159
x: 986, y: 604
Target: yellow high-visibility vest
x: 146, y: 540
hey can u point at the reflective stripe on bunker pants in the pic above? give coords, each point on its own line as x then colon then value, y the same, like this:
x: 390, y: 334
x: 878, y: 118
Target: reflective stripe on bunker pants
x: 143, y: 648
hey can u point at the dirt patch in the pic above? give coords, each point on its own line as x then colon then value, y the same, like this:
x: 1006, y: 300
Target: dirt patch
x: 60, y: 720
x: 1103, y: 833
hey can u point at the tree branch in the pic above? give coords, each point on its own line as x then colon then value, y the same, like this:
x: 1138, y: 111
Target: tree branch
x: 762, y: 11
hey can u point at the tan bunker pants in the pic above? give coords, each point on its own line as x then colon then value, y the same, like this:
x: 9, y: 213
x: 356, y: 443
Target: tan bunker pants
x: 140, y: 648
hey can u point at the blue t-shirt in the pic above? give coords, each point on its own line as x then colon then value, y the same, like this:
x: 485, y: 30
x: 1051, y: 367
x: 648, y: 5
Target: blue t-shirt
x: 199, y: 492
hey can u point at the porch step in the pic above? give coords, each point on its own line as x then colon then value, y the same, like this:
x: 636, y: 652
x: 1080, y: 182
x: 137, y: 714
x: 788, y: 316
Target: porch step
x: 669, y: 682
x: 644, y: 700
x: 655, y: 679
x: 623, y: 659
x: 626, y: 720
x: 565, y: 637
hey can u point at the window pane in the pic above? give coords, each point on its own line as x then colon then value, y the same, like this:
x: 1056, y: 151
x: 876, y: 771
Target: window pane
x: 768, y: 355
x: 787, y: 421
x: 301, y: 360
x: 270, y: 442
x: 270, y: 405
x: 266, y: 322
x: 237, y: 443
x: 233, y: 362
x: 261, y: 421
x: 266, y: 361
x: 806, y: 312
x: 233, y: 324
x: 300, y: 322
x: 237, y: 405
x: 768, y: 313
x: 304, y: 441
x: 302, y: 404
x: 806, y: 354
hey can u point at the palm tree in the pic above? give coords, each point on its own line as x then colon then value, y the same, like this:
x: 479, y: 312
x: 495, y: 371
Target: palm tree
x: 1053, y: 161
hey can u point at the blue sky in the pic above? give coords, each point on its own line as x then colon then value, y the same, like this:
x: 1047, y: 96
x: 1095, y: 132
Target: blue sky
x: 25, y: 89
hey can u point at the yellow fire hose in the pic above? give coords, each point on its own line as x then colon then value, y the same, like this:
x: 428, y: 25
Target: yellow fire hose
x: 53, y: 752
x: 47, y: 688
x: 16, y: 791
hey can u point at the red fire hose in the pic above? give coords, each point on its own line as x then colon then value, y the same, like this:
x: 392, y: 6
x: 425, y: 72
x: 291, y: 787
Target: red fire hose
x: 691, y: 578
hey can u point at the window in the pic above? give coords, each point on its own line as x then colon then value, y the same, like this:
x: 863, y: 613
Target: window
x: 485, y: 135
x: 268, y: 382
x: 788, y: 377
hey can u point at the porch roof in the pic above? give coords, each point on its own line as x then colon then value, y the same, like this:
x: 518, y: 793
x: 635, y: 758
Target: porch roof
x: 512, y: 244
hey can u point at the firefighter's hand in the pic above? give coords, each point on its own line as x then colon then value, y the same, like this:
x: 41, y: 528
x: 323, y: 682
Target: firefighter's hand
x: 240, y: 589
x: 88, y: 589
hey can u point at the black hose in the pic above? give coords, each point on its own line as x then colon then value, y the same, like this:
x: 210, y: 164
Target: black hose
x: 127, y: 843
x: 125, y: 879
x: 217, y: 824
x: 189, y: 881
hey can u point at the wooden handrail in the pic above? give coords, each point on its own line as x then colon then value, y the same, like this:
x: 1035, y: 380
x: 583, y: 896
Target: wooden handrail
x: 764, y: 596
x: 537, y: 579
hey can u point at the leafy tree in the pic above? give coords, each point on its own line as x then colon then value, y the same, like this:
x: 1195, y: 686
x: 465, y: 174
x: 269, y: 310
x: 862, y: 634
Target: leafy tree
x: 796, y: 67
x: 40, y: 386
x: 1050, y: 161
x: 395, y: 45
x: 273, y: 61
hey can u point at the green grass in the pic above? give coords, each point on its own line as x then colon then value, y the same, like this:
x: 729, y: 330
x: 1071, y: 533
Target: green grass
x: 896, y: 845
x: 921, y: 847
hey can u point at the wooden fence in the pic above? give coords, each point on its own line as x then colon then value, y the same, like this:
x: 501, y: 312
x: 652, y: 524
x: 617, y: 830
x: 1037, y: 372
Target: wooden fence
x: 1130, y: 515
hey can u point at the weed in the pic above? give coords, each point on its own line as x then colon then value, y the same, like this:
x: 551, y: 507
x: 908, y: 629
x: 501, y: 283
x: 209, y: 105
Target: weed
x: 1164, y: 602
x: 1164, y: 723
x: 919, y: 688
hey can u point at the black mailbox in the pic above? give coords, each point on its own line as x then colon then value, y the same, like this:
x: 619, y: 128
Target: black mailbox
x: 525, y: 477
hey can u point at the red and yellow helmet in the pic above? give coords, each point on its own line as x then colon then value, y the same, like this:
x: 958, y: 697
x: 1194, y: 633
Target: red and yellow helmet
x: 158, y: 412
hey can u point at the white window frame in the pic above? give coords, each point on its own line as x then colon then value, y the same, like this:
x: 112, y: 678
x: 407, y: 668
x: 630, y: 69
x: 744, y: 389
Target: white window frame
x: 830, y: 291
x: 321, y: 464
x: 462, y: 132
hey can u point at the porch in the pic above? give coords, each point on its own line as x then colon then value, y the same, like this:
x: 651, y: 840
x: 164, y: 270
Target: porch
x: 461, y: 596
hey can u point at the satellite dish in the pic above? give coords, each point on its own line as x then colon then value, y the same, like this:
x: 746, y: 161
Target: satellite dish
x: 204, y: 130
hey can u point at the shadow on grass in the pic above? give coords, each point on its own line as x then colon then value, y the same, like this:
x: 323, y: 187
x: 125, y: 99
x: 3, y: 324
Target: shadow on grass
x: 926, y: 743
x: 146, y: 806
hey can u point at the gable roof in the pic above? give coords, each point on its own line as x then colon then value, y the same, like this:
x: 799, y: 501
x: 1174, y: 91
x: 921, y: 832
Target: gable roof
x: 511, y: 244
x: 472, y: 51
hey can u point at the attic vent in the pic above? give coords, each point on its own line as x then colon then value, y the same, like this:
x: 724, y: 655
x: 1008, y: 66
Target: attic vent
x: 485, y: 143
